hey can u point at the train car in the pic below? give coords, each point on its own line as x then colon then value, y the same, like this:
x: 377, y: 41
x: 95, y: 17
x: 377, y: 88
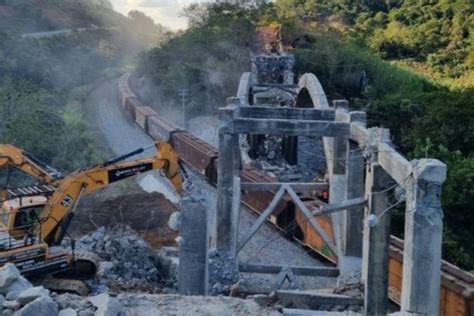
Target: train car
x: 159, y: 128
x: 131, y: 104
x: 142, y: 113
x: 195, y: 152
x: 457, y: 286
x: 259, y: 200
x: 124, y: 89
x: 310, y: 237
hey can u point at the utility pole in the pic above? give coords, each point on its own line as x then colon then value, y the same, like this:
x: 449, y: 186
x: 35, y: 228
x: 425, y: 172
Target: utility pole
x: 183, y: 93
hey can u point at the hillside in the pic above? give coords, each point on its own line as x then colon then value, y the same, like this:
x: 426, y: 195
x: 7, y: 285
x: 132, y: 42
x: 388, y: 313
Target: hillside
x: 44, y: 81
x: 25, y: 16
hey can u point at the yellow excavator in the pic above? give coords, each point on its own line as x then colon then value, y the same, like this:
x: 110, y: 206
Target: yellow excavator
x: 33, y: 226
x: 11, y: 156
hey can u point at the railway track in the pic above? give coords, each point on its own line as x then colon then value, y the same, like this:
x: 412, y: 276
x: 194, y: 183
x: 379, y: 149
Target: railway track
x: 457, y: 286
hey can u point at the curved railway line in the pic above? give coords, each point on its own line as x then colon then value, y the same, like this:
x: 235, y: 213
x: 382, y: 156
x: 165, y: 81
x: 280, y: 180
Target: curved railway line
x: 457, y: 286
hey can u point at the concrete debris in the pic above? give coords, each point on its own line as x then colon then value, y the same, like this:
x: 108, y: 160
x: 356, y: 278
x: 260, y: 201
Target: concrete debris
x: 223, y: 272
x: 270, y: 159
x: 74, y: 302
x: 106, y: 305
x: 319, y: 301
x: 42, y: 306
x: 8, y: 274
x: 13, y: 305
x: 175, y: 221
x: 31, y: 294
x: 178, y: 305
x: 128, y: 263
x: 11, y: 281
x: 67, y: 312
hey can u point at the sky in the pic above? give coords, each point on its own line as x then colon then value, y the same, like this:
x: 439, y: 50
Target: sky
x: 164, y: 12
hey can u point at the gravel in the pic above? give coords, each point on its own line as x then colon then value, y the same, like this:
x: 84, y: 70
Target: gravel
x: 128, y: 262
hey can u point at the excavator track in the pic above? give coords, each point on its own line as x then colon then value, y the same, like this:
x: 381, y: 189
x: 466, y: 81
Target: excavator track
x: 84, y: 266
x: 65, y: 286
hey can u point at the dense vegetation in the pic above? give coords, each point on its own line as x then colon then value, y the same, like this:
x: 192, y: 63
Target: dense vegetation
x: 44, y: 81
x: 417, y: 56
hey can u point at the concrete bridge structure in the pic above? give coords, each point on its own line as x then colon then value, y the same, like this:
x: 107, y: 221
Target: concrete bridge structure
x: 362, y: 167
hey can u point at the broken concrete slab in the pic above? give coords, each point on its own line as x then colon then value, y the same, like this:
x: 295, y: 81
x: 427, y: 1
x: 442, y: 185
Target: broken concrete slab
x: 305, y: 312
x: 67, y: 312
x: 42, y: 306
x: 314, y: 299
x: 106, y: 305
x: 13, y: 305
x: 18, y: 286
x: 31, y: 294
x: 8, y: 274
x: 11, y: 281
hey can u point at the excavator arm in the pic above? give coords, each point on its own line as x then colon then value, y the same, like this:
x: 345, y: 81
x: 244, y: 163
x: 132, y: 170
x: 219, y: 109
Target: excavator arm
x: 58, y: 212
x: 12, y: 156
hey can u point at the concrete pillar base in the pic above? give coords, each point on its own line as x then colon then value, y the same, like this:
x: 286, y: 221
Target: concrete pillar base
x: 223, y: 271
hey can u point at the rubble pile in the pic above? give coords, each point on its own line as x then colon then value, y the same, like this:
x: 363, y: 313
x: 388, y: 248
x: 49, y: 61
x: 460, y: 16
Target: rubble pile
x: 19, y: 297
x: 271, y: 160
x: 128, y: 263
x: 223, y: 272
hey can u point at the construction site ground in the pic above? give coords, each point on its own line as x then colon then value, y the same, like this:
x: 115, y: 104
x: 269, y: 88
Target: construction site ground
x: 119, y: 134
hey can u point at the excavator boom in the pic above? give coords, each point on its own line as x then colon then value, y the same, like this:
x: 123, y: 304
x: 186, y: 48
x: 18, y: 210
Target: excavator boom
x: 13, y: 156
x: 32, y: 224
x: 58, y: 212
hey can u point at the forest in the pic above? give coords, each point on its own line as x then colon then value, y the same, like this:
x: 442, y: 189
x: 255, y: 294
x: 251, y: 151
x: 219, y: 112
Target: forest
x: 418, y: 57
x: 44, y: 81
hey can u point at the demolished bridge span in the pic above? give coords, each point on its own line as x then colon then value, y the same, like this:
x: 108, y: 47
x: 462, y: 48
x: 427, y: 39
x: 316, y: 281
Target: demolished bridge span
x: 457, y: 285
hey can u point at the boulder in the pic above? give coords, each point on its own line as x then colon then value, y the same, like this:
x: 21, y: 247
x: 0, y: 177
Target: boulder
x: 7, y: 312
x: 67, y: 312
x: 13, y: 305
x: 15, y: 288
x: 8, y: 274
x: 99, y: 300
x: 42, y: 306
x: 31, y: 294
x: 13, y: 295
x: 12, y: 281
x: 106, y: 305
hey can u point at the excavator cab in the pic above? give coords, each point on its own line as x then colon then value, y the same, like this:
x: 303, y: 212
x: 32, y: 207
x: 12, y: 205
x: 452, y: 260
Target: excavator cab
x: 20, y: 217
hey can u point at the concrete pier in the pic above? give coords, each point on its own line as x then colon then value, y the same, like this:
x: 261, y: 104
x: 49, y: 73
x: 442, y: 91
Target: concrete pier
x: 423, y: 238
x: 353, y: 220
x: 376, y: 242
x: 228, y: 167
x: 193, y: 248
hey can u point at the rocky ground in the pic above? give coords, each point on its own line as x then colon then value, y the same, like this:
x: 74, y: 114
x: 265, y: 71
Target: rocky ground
x: 19, y: 297
x: 135, y: 227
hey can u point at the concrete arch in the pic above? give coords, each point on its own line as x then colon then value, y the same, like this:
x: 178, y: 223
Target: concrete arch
x: 311, y: 94
x: 243, y: 92
x: 309, y: 86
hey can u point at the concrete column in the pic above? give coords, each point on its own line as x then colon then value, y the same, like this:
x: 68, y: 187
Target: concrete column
x: 355, y: 189
x: 355, y: 178
x: 228, y: 167
x: 337, y: 179
x: 376, y: 242
x: 423, y: 238
x: 193, y: 248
